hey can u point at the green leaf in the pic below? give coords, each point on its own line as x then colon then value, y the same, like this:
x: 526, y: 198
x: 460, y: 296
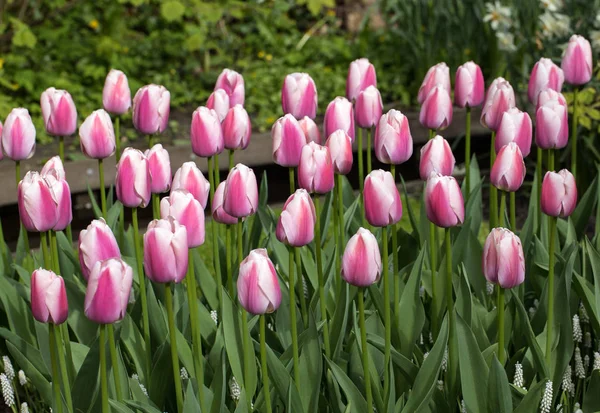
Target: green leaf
x: 311, y: 359
x: 411, y: 312
x: 591, y: 401
x: 407, y: 368
x: 190, y: 404
x: 16, y: 309
x: 172, y: 10
x: 87, y: 382
x: 142, y: 406
x: 119, y: 407
x: 585, y: 208
x: 531, y: 401
x: 352, y: 393
x: 473, y: 369
x: 499, y: 398
x: 281, y: 380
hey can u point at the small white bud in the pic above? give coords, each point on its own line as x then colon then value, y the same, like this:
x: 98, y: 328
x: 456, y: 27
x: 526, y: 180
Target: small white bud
x: 579, y: 369
x: 567, y: 382
x: 184, y: 373
x: 489, y: 288
x: 546, y: 403
x: 519, y: 380
x: 586, y: 362
x: 8, y: 368
x: 22, y: 378
x: 215, y: 317
x: 234, y: 389
x: 142, y: 387
x: 440, y: 385
x: 587, y: 340
x: 445, y: 360
x: 577, y: 333
x: 585, y: 318
x: 596, y: 365
x: 24, y: 408
x: 8, y: 393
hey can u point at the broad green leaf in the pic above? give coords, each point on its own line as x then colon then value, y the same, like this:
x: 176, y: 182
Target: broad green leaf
x: 411, y: 313
x: 86, y: 387
x: 352, y: 393
x: 499, y: 398
x: 190, y: 404
x: 473, y: 369
x: 32, y: 364
x: 407, y: 368
x: 591, y: 401
x: 531, y: 401
x: 282, y: 382
x: 585, y: 207
x: 141, y: 406
x: 16, y: 309
x: 311, y: 358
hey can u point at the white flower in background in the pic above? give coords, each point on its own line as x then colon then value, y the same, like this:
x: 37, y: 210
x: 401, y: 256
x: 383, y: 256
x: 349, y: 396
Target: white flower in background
x: 519, y: 379
x: 425, y: 356
x: 579, y: 369
x: 577, y: 408
x: 552, y: 5
x: 577, y: 333
x: 7, y: 391
x: 234, y: 389
x: 440, y: 385
x: 597, y: 20
x: 8, y: 368
x: 498, y: 16
x: 531, y: 312
x: 587, y: 340
x: 596, y: 365
x: 489, y: 288
x: 215, y: 317
x: 546, y: 403
x: 595, y: 39
x: 506, y: 41
x: 463, y: 406
x: 586, y: 362
x: 184, y: 373
x: 24, y: 408
x: 137, y: 378
x: 445, y: 360
x: 583, y: 315
x: 567, y: 381
x: 304, y: 287
x: 555, y: 25
x: 22, y: 378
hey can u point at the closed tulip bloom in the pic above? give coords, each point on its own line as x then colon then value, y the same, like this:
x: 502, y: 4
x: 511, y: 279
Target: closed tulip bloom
x: 361, y: 263
x: 315, y: 172
x: 206, y: 133
x: 339, y: 115
x: 62, y: 193
x: 108, y: 290
x: 577, y: 61
x: 48, y: 297
x: 444, y: 201
x: 393, y: 140
x: 559, y: 194
x: 548, y: 95
x: 288, y: 141
x: 436, y: 158
x: 436, y: 112
x: 159, y: 163
x: 190, y: 178
x: 232, y: 83
x: 544, y: 75
x: 340, y: 148
x: 499, y: 99
x: 503, y: 260
x: 97, y: 135
x: 116, y: 95
x: 165, y: 251
x: 59, y: 112
x: 133, y: 180
x: 369, y: 107
x: 515, y: 127
x: 151, y: 107
x: 436, y: 75
x: 299, y: 96
x: 508, y: 171
x: 311, y: 130
x: 257, y: 284
x: 38, y: 206
x: 219, y: 102
x: 18, y: 135
x: 96, y: 243
x: 296, y: 225
x: 383, y: 206
x: 469, y: 87
x: 218, y: 213
x: 55, y: 164
x: 182, y: 206
x: 240, y: 196
x: 552, y: 124
x: 237, y: 128
x: 361, y: 75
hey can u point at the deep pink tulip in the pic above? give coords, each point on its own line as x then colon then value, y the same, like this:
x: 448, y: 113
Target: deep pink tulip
x: 383, y: 206
x: 116, y: 95
x: 551, y: 122
x: 288, y: 141
x: 186, y: 209
x: 393, y: 140
x: 257, y: 284
x: 55, y: 164
x: 339, y: 115
x: 544, y: 75
x: 296, y: 225
x: 577, y: 61
x: 315, y: 172
x: 340, y: 148
x: 133, y: 180
x: 190, y: 178
x: 165, y: 251
x: 436, y: 158
x: 361, y: 75
x: 219, y: 102
x: 96, y: 243
x: 206, y: 133
x: 159, y: 163
x: 151, y: 107
x: 311, y: 130
x: 508, y: 171
x: 299, y: 96
x: 444, y: 201
x: 361, y: 263
x: 108, y: 290
x: 368, y: 107
x: 233, y: 83
x: 218, y: 213
x: 500, y: 98
x: 515, y: 127
x: 59, y: 112
x: 38, y: 206
x: 436, y: 112
x: 469, y: 87
x: 240, y: 196
x: 559, y: 194
x: 97, y: 135
x: 437, y: 75
x: 48, y: 297
x: 237, y: 128
x: 18, y: 135
x: 503, y: 260
x: 62, y: 194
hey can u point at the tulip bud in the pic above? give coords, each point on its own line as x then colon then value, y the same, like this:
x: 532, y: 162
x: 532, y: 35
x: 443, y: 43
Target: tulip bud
x: 288, y: 140
x: 508, y: 171
x: 544, y: 75
x: 299, y: 96
x: 55, y: 164
x: 48, y: 297
x: 165, y: 251
x: 186, y: 209
x: 515, y: 127
x: 1, y: 154
x: 361, y: 75
x: 548, y: 95
x: 296, y: 225
x: 311, y: 130
x: 38, y: 206
x: 559, y: 194
x: 361, y: 263
x: 59, y: 112
x: 159, y: 163
x: 552, y: 125
x: 393, y: 141
x: 62, y: 194
x: 436, y: 158
x: 206, y: 133
x: 436, y: 75
x: 339, y: 115
x: 503, y: 260
x: 97, y: 136
x: 436, y: 112
x: 18, y: 135
x: 190, y: 178
x: 219, y: 102
x: 257, y: 284
x: 500, y: 97
x: 116, y: 96
x: 108, y: 290
x: 233, y: 83
x: 368, y: 107
x: 218, y: 213
x: 340, y: 148
x: 237, y: 128
x: 444, y: 201
x: 577, y: 61
x: 240, y: 196
x: 96, y: 243
x: 469, y: 88
x: 133, y: 180
x: 315, y: 172
x: 151, y: 107
x: 383, y: 206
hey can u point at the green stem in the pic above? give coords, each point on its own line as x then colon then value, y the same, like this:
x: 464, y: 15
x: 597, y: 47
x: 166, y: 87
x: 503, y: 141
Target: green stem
x: 292, y: 181
x: 300, y: 282
x: 433, y: 267
x: 217, y: 172
x: 45, y: 251
x: 319, y: 258
x: 142, y: 282
x: 173, y: 339
x: 103, y: 375
x: 118, y: 138
x: 502, y: 208
x: 64, y: 330
x: 361, y: 172
x: 551, y: 159
x: 149, y: 139
x: 341, y: 211
x: 336, y: 236
x: 248, y: 358
x: 394, y: 235
x: 195, y: 328
x: 61, y: 148
x: 431, y: 133
x: 54, y: 251
x: 58, y: 402
x: 386, y: 312
x: 468, y: 152
x: 293, y: 323
x: 493, y: 190
x: 513, y: 213
x: 18, y: 172
x: 114, y: 360
x: 539, y: 172
x: 501, y: 350
x: 22, y: 227
x: 365, y: 350
x: 215, y: 236
x: 550, y: 316
x: 155, y: 206
x: 63, y: 368
x: 229, y: 258
x: 263, y: 364
x: 369, y: 150
x: 102, y: 187
x: 231, y: 164
x: 574, y: 134
x: 452, y: 350
x: 69, y: 234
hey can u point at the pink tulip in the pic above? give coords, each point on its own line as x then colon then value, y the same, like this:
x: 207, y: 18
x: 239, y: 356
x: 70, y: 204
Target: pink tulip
x: 288, y: 141
x: 1, y: 154
x: 559, y: 194
x: 508, y: 171
x: 218, y: 213
x: 577, y: 61
x: 361, y: 75
x: 96, y: 243
x: 151, y: 107
x: 438, y: 75
x: 257, y: 284
x: 296, y: 225
x: 551, y: 121
x: 159, y: 163
x: 311, y: 130
x: 444, y: 201
x: 233, y: 83
x: 361, y: 263
x: 219, y: 102
x: 240, y: 196
x: 544, y: 75
x: 108, y: 290
x: 393, y: 141
x: 315, y: 172
x: 62, y: 194
x: 133, y: 180
x: 299, y: 96
x: 190, y: 178
x: 97, y: 136
x: 59, y: 112
x: 368, y: 107
x: 38, y: 206
x: 515, y: 127
x: 339, y: 115
x: 116, y: 96
x: 206, y: 133
x: 18, y: 135
x: 500, y: 98
x: 383, y: 206
x: 469, y: 87
x: 55, y: 164
x: 340, y: 148
x: 237, y: 128
x: 503, y: 260
x: 48, y: 297
x: 436, y: 158
x: 436, y: 112
x: 548, y: 95
x: 165, y: 251
x: 186, y: 209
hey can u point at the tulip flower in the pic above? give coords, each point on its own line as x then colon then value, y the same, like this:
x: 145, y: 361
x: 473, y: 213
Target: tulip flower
x: 288, y: 141
x: 240, y: 196
x: 469, y: 87
x: 436, y: 158
x: 515, y: 127
x: 503, y: 260
x: 116, y: 95
x: 62, y: 194
x: 237, y: 128
x: 18, y: 135
x: 38, y: 206
x: 159, y: 163
x: 257, y: 285
x: 48, y: 297
x: 361, y: 263
x: 190, y: 178
x: 108, y: 290
x: 315, y: 171
x: 97, y: 135
x: 218, y: 213
x: 151, y: 107
x: 444, y: 201
x: 393, y: 140
x: 296, y: 225
x: 232, y: 83
x: 96, y: 243
x: 368, y: 107
x: 438, y: 75
x: 186, y: 209
x: 552, y: 126
x: 577, y: 61
x: 548, y: 95
x: 311, y: 130
x: 55, y: 164
x: 500, y: 98
x: 508, y: 171
x: 165, y: 251
x: 299, y: 96
x: 206, y: 133
x: 133, y: 180
x: 544, y: 75
x: 219, y: 102
x: 436, y: 112
x: 339, y: 115
x: 559, y: 194
x: 59, y: 112
x: 361, y: 75
x: 340, y: 148
x: 383, y: 206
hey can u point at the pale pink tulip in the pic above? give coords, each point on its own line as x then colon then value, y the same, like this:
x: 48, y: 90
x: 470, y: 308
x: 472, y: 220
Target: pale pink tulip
x: 48, y: 297
x: 508, y: 171
x: 133, y: 180
x: 18, y: 135
x: 503, y: 260
x: 340, y: 148
x: 299, y: 96
x: 315, y: 171
x: 237, y: 128
x: 437, y: 75
x: 577, y: 61
x: 368, y: 107
x: 59, y: 112
x: 544, y: 75
x: 55, y: 164
x: 361, y: 75
x: 151, y: 107
x: 383, y: 206
x: 219, y: 102
x: 436, y: 111
x: 515, y: 127
x: 206, y: 133
x: 500, y: 98
x: 181, y: 205
x: 339, y: 115
x: 436, y: 158
x: 311, y: 130
x: 288, y: 140
x: 361, y: 263
x: 444, y: 201
x: 257, y: 284
x: 108, y: 290
x: 96, y: 243
x: 559, y: 194
x: 97, y: 135
x: 232, y: 83
x: 116, y: 95
x: 159, y: 163
x: 469, y: 87
x: 190, y: 178
x: 218, y: 213
x: 240, y: 196
x: 38, y: 206
x: 551, y: 122
x: 296, y: 225
x: 393, y: 140
x: 165, y: 251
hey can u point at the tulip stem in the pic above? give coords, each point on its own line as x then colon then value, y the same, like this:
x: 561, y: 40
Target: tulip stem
x: 155, y: 206
x: 22, y: 227
x: 468, y: 152
x: 336, y: 234
x: 433, y: 265
x: 501, y: 350
x: 142, y: 282
x: 431, y: 134
x: 103, y: 375
x: 54, y: 251
x: 452, y: 350
x: 173, y: 340
x: 228, y: 258
x: 45, y: 251
x: 513, y: 217
x: 550, y: 289
x: 395, y: 282
x: 301, y: 282
x: 369, y: 143
x: 231, y: 160
x: 361, y: 172
x: 551, y: 159
x: 574, y: 134
x: 293, y: 323
x: 502, y: 208
x: 386, y: 312
x: 319, y: 258
x: 58, y: 402
x: 217, y: 172
x: 215, y: 236
x: 263, y: 364
x: 365, y: 350
x: 114, y: 360
x: 538, y: 171
x: 292, y: 181
x: 248, y: 355
x: 102, y: 188
x: 118, y: 138
x: 493, y: 190
x: 340, y: 200
x: 61, y: 148
x: 63, y: 368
